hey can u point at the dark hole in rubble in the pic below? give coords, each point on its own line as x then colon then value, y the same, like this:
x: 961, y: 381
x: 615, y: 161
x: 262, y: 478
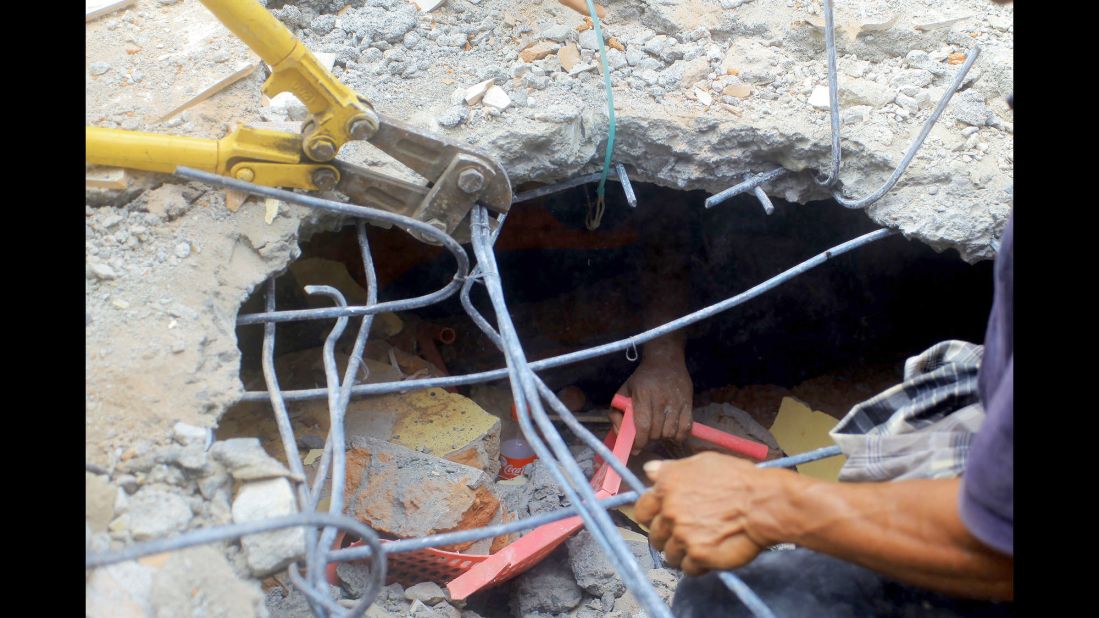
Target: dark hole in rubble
x: 833, y: 336
x: 569, y: 288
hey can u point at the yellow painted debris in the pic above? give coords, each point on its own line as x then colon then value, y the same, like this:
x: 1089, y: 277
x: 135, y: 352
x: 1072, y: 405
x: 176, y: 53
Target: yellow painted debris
x: 799, y: 429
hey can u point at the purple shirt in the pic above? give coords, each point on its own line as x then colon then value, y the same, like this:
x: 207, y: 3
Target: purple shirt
x: 988, y: 495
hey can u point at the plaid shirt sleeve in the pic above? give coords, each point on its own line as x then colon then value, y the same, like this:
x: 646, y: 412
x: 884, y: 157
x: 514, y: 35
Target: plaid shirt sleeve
x: 921, y: 428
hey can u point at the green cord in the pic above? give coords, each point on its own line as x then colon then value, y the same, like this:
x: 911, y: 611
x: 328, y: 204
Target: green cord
x: 610, y: 103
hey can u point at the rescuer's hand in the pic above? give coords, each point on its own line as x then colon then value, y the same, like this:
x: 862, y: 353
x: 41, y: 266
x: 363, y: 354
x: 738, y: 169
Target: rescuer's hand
x: 661, y: 391
x: 714, y: 512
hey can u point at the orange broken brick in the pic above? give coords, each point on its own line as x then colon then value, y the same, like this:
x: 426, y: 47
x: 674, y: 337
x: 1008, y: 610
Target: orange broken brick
x: 955, y: 58
x: 587, y: 25
x: 616, y: 44
x: 731, y: 71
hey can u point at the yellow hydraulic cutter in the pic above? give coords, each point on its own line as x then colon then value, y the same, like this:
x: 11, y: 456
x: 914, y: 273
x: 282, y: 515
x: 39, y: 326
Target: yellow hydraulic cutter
x: 458, y: 175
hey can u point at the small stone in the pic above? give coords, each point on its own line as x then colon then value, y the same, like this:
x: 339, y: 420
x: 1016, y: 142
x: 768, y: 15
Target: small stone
x: 453, y: 116
x: 427, y: 592
x: 270, y: 551
x: 568, y: 56
x: 656, y: 44
x: 917, y: 58
x: 557, y: 33
x: 918, y: 78
x: 703, y: 97
x: 323, y: 24
x: 246, y: 460
x: 907, y: 103
x: 101, y: 271
x: 740, y: 91
x: 538, y: 82
x: 966, y: 132
x: 426, y: 6
x: 193, y: 458
x: 819, y: 98
x: 475, y: 93
x: 648, y: 76
x: 580, y: 68
x: 185, y: 434
x: 969, y: 107
x: 538, y: 51
x: 694, y: 71
x: 497, y: 98
x: 588, y: 40
x: 98, y: 68
x: 615, y: 59
x: 182, y: 250
x: 855, y: 114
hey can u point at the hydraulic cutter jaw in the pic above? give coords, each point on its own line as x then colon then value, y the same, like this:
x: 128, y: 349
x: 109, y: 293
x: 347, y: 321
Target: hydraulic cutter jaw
x: 459, y: 177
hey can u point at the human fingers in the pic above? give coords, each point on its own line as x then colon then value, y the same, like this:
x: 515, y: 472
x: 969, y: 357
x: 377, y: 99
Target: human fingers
x: 686, y: 417
x: 660, y: 531
x: 647, y: 507
x: 674, y: 551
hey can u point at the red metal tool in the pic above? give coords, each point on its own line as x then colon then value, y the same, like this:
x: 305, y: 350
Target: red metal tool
x: 736, y: 444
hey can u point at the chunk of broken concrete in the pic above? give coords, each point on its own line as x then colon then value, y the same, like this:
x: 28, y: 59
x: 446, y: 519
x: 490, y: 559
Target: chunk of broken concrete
x: 592, y: 569
x: 433, y: 421
x: 185, y: 434
x: 740, y: 91
x: 568, y: 56
x: 404, y: 493
x: 246, y: 460
x: 539, y: 50
x: 496, y: 97
x: 427, y: 592
x: 426, y: 6
x: 475, y: 93
x: 268, y: 552
x: 153, y: 513
x: 819, y: 97
x: 548, y: 588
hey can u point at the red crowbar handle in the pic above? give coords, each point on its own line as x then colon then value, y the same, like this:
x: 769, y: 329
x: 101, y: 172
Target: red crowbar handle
x: 736, y: 444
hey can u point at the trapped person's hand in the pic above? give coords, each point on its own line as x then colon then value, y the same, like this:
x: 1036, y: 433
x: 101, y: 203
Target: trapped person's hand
x: 662, y: 393
x: 713, y: 511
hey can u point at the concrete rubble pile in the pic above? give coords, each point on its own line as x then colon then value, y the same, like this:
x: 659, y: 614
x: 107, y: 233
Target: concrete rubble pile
x: 706, y: 92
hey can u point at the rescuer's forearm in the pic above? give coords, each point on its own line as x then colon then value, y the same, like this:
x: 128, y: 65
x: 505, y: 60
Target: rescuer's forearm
x: 908, y: 530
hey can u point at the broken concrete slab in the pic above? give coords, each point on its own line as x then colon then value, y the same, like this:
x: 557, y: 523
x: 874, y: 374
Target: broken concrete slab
x: 433, y: 421
x: 270, y: 551
x: 404, y: 493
